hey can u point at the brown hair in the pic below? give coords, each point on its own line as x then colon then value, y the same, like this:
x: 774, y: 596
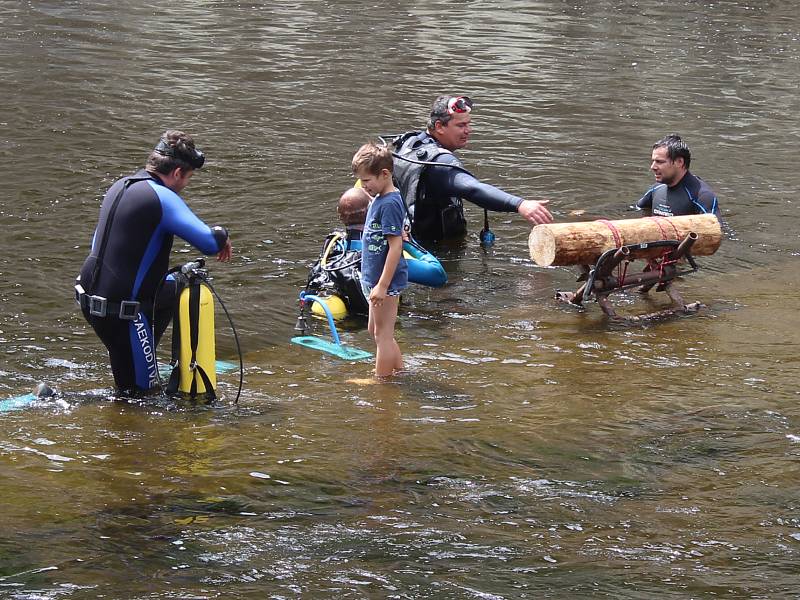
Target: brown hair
x: 374, y: 158
x: 178, y: 150
x: 676, y: 148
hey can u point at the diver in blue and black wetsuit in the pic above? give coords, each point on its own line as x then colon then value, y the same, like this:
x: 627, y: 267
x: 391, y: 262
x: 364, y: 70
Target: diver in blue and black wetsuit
x: 677, y: 192
x: 434, y: 195
x: 122, y: 288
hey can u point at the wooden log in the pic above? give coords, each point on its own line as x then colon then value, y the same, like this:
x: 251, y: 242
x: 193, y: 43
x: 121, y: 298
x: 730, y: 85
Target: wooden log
x: 582, y: 243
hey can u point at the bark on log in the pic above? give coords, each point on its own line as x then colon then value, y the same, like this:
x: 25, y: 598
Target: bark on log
x: 583, y: 243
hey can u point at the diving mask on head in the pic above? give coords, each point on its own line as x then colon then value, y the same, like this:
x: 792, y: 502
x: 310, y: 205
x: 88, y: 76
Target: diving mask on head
x: 194, y: 157
x: 459, y: 104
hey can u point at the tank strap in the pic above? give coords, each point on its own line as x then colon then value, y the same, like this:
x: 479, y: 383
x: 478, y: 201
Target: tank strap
x: 175, y: 374
x: 194, y: 338
x: 194, y: 322
x: 210, y: 393
x: 174, y: 378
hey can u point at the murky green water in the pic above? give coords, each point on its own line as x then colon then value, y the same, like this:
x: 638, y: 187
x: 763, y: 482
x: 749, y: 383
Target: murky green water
x: 530, y: 451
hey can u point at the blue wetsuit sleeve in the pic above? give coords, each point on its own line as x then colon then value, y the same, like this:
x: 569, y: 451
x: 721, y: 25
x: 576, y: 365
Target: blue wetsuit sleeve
x: 179, y: 220
x: 447, y: 181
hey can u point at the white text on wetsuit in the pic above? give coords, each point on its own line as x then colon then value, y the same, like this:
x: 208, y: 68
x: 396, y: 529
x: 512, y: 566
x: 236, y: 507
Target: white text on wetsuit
x: 147, y: 350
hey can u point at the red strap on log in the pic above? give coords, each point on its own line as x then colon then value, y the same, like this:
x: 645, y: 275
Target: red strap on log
x: 614, y: 231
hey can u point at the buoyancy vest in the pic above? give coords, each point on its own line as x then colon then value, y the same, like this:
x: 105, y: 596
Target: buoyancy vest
x: 432, y: 216
x: 338, y: 271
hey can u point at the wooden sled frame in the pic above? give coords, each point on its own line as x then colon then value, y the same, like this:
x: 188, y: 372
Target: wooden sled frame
x: 599, y: 280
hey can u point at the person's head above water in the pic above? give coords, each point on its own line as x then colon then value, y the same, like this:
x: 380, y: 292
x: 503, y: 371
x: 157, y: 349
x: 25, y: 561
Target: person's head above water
x: 174, y: 159
x: 175, y: 149
x: 352, y: 208
x: 450, y: 121
x: 373, y: 165
x: 670, y: 159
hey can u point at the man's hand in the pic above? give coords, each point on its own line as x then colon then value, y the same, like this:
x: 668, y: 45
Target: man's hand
x: 225, y: 254
x: 535, y: 211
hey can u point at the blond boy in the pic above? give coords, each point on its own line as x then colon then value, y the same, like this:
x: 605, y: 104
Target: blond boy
x: 384, y: 273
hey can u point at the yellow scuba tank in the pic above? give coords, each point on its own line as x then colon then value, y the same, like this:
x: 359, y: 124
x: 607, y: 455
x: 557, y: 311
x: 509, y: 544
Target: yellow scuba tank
x: 198, y: 344
x: 193, y: 341
x: 334, y: 303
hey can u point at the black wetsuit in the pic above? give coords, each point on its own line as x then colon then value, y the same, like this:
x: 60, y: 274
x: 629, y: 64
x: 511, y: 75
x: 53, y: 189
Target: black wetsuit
x: 690, y: 196
x: 138, y: 218
x: 434, y: 195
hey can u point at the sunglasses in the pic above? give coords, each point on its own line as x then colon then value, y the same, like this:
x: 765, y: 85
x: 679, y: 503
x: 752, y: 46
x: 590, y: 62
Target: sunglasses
x: 459, y: 104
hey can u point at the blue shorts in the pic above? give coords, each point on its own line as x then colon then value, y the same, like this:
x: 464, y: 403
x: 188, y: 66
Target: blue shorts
x: 367, y: 288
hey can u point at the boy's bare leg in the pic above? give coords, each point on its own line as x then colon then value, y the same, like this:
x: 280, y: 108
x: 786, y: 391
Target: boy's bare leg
x: 382, y: 318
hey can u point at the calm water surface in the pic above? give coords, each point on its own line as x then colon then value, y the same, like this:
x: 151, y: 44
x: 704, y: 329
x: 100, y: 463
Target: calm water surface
x: 530, y: 451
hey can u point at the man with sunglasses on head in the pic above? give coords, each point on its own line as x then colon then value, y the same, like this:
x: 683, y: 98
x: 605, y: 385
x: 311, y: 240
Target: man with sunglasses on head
x: 123, y: 288
x: 434, y: 183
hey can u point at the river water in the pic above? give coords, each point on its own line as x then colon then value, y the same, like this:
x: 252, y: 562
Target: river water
x: 530, y: 450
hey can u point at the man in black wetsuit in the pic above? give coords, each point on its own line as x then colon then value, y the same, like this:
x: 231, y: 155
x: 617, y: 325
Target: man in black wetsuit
x: 122, y: 288
x: 434, y: 194
x: 677, y: 192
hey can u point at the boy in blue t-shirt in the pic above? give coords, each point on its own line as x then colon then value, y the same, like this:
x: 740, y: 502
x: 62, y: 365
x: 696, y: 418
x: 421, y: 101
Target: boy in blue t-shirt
x: 384, y: 273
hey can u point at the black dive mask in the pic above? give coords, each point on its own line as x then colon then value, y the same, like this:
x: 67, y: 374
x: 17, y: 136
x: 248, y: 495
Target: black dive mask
x: 195, y: 158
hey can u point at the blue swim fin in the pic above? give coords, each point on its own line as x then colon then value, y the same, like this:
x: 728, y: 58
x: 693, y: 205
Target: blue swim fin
x: 43, y: 391
x: 345, y: 352
x: 17, y: 402
x: 335, y: 347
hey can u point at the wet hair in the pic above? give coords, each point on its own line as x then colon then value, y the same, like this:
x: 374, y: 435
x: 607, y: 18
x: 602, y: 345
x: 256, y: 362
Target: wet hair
x: 374, y: 158
x: 181, y: 153
x: 352, y: 208
x: 440, y: 111
x: 676, y: 148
